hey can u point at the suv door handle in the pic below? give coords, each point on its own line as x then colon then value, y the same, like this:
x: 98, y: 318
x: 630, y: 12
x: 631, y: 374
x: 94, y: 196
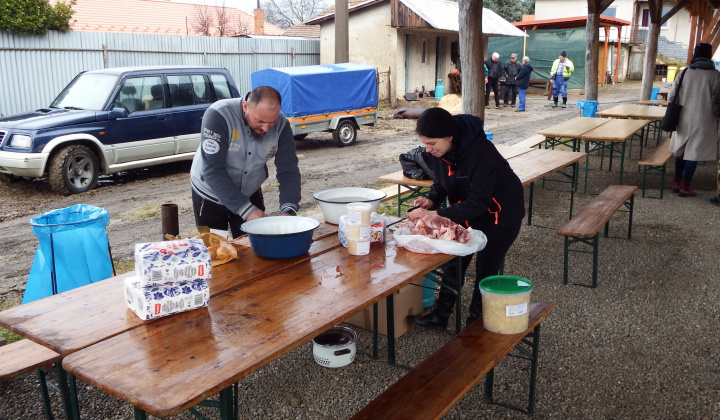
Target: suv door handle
x: 161, y: 118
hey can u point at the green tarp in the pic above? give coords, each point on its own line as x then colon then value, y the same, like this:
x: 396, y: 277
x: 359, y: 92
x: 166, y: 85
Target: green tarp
x: 543, y: 47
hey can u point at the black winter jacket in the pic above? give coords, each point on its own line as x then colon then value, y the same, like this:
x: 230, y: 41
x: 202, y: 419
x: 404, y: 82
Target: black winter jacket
x: 481, y: 188
x: 511, y: 71
x: 495, y: 69
x: 523, y: 77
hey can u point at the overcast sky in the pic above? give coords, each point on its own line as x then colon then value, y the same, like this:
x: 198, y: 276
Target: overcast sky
x: 245, y: 5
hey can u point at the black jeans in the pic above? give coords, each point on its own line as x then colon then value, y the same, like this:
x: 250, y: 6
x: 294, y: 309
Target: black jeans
x: 510, y: 93
x: 487, y: 263
x: 216, y: 216
x: 492, y: 83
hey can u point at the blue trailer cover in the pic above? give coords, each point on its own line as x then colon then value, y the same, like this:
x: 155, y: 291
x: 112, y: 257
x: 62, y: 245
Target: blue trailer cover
x: 321, y: 89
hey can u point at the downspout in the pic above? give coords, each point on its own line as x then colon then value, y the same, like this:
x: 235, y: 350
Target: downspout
x: 437, y: 58
x: 407, y: 60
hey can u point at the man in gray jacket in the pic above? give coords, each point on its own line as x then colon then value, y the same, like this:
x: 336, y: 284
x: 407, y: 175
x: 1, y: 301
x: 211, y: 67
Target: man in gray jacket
x: 237, y: 138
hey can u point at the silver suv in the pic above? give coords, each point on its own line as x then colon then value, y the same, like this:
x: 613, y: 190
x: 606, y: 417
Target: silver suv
x: 112, y: 120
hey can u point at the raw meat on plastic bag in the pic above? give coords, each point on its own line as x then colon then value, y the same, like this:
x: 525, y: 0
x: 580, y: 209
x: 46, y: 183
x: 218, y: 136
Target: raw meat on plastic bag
x: 434, y: 235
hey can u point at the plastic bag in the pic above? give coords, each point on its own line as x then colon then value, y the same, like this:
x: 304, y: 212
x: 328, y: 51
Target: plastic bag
x: 73, y: 250
x: 416, y: 163
x: 424, y: 245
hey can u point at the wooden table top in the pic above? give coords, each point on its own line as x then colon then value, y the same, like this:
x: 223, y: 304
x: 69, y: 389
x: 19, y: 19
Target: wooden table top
x: 167, y: 366
x: 616, y: 130
x: 78, y: 318
x: 634, y: 111
x: 658, y: 102
x: 528, y: 164
x: 573, y: 128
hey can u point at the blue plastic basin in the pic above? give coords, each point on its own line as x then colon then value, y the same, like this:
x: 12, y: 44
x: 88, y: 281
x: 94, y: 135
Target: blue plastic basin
x: 279, y: 237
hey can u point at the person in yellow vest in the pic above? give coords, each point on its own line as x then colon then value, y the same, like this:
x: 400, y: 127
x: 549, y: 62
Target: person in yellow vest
x: 561, y: 70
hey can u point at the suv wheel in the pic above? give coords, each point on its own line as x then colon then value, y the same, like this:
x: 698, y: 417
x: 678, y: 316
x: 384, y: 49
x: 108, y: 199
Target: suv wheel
x: 345, y: 133
x: 73, y: 170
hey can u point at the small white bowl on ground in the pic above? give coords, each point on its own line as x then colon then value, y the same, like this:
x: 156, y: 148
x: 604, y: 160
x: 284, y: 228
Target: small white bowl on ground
x: 335, y: 347
x: 333, y: 202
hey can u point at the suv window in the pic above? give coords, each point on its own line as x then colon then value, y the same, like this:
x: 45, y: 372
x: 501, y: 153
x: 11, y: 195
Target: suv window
x: 221, y: 86
x: 188, y: 90
x: 88, y: 91
x: 140, y: 94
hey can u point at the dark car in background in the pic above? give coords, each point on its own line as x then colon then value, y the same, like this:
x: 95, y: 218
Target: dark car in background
x: 111, y: 120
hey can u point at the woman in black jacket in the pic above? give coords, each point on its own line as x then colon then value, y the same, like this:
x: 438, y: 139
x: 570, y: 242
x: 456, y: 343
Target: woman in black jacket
x: 482, y: 192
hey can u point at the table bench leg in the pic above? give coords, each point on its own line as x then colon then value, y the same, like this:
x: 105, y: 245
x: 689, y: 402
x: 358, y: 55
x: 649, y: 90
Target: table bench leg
x: 531, y: 353
x: 660, y: 169
x: 593, y: 242
x: 68, y: 392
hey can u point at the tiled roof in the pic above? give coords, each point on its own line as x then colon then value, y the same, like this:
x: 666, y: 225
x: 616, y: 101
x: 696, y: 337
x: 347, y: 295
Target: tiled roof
x: 155, y: 17
x: 306, y: 31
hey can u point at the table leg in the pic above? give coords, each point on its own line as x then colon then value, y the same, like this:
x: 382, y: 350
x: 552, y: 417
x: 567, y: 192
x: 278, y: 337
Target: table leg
x: 622, y: 161
x: 530, y: 203
x: 375, y: 330
x: 68, y: 392
x: 389, y: 301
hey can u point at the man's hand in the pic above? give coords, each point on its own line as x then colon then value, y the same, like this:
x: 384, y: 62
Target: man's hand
x: 420, y: 213
x: 256, y: 214
x: 424, y: 203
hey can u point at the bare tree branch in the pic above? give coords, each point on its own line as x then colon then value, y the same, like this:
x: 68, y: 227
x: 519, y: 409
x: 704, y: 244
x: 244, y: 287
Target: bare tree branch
x: 202, y: 20
x: 285, y: 13
x: 222, y: 18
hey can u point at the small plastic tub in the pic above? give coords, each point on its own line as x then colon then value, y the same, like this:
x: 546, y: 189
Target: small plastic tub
x: 506, y: 304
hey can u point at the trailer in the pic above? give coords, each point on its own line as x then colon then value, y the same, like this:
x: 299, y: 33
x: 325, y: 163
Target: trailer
x: 334, y: 98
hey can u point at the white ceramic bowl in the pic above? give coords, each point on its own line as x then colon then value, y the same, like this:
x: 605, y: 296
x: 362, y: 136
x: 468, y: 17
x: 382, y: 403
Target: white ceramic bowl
x: 334, y: 201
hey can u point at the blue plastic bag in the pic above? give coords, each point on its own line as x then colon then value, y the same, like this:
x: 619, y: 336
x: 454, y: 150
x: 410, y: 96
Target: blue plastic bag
x: 589, y: 108
x: 73, y: 250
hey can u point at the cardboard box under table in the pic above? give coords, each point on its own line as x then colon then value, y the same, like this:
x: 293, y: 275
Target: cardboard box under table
x: 407, y: 301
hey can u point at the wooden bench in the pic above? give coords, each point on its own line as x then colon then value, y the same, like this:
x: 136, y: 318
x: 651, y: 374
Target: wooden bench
x: 656, y: 161
x: 430, y: 389
x: 531, y: 142
x: 392, y: 192
x: 584, y: 226
x: 26, y: 356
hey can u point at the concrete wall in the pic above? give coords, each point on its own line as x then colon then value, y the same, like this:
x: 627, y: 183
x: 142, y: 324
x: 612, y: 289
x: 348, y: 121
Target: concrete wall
x: 371, y: 40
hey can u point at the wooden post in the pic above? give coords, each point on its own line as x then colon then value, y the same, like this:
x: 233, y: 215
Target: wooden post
x: 617, y: 56
x: 693, y: 31
x: 342, y: 43
x: 605, y: 55
x: 471, y: 58
x: 592, y: 42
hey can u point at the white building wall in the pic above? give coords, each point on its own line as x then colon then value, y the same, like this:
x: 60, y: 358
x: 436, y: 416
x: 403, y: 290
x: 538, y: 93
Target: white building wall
x: 371, y: 39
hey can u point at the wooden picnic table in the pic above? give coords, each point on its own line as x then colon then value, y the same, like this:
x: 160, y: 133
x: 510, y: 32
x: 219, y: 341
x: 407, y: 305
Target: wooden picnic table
x: 78, y: 318
x: 652, y: 113
x: 170, y: 365
x: 651, y: 102
x: 528, y: 164
x: 569, y: 132
x: 612, y: 136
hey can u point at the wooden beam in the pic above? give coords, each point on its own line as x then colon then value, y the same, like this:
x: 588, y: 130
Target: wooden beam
x: 672, y: 11
x: 617, y: 55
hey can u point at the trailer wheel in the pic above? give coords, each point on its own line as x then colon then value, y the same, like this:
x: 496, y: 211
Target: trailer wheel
x: 345, y: 134
x: 300, y: 136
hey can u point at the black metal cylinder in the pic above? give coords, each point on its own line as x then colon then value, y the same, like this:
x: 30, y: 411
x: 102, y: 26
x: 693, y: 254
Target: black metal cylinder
x: 169, y: 219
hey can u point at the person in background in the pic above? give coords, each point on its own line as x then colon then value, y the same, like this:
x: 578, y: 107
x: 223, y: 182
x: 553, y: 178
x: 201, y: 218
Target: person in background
x: 483, y: 193
x: 696, y: 137
x: 715, y: 199
x: 511, y: 69
x: 486, y: 72
x: 494, y: 73
x: 237, y: 138
x: 560, y: 72
x: 523, y: 82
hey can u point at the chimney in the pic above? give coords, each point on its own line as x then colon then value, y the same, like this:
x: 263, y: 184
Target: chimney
x: 259, y: 21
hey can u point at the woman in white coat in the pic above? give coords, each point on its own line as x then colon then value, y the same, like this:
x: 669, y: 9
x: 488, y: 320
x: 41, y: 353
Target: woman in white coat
x: 696, y: 138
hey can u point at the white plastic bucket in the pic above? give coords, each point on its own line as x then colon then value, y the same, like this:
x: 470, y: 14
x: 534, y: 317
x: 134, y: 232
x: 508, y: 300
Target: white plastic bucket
x: 506, y: 304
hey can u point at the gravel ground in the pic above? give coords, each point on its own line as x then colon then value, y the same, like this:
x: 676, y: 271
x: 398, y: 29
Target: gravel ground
x: 643, y: 344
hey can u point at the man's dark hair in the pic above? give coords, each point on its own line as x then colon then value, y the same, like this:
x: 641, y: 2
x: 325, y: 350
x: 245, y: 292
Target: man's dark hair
x: 262, y: 92
x: 436, y: 123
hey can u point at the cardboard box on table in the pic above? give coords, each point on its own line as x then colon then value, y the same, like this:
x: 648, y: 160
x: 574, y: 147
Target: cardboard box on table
x: 407, y: 301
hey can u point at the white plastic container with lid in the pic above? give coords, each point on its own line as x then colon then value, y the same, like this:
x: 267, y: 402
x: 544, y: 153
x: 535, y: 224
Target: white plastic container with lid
x: 506, y: 303
x: 358, y: 247
x: 359, y: 213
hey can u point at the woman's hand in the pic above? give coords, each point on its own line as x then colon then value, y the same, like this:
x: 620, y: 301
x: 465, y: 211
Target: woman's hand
x: 424, y: 203
x: 420, y: 213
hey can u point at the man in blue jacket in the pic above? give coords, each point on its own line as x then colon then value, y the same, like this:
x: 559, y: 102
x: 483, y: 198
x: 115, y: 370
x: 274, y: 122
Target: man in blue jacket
x: 237, y: 138
x: 523, y: 82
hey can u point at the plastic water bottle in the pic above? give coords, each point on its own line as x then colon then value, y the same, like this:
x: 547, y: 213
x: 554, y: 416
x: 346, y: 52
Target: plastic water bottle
x: 439, y: 89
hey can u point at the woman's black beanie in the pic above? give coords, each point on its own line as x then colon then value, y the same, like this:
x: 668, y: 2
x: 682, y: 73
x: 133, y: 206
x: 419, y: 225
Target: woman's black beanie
x: 436, y: 123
